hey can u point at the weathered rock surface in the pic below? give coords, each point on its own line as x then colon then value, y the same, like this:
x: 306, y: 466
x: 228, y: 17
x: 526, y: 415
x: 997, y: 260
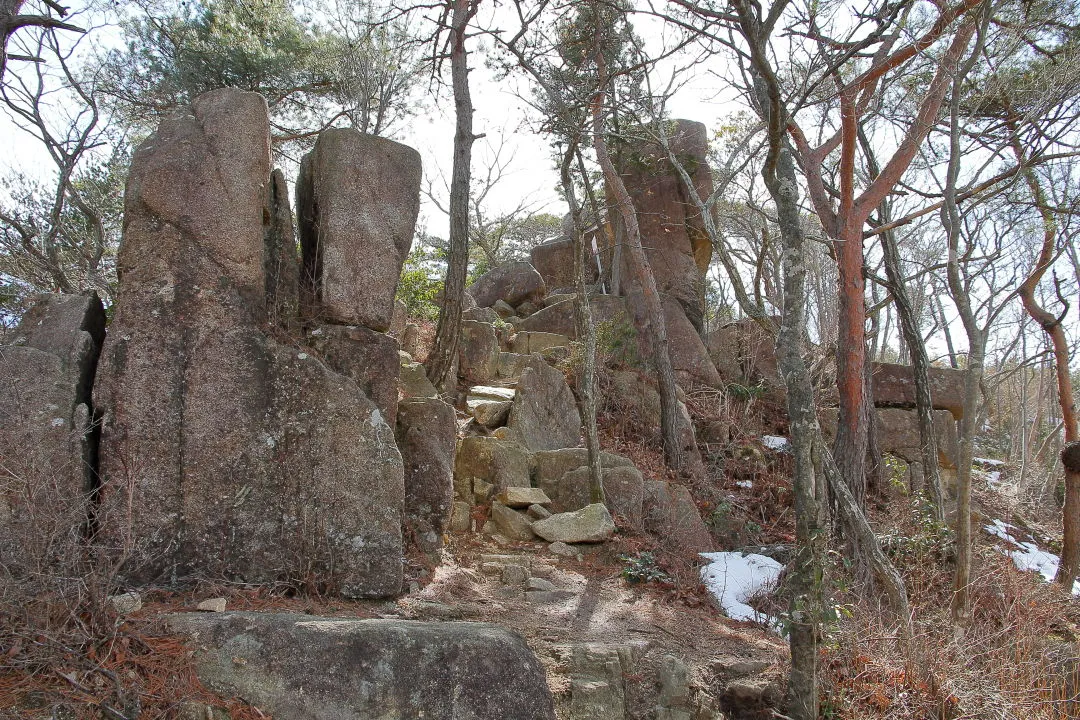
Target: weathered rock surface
x: 519, y: 497
x: 544, y: 411
x: 513, y: 283
x: 672, y: 516
x: 426, y: 436
x: 501, y: 463
x: 554, y: 260
x: 46, y: 425
x: 478, y: 352
x: 672, y: 230
x: 597, y: 681
x: 559, y: 317
x: 282, y: 266
x: 413, y: 380
x: 511, y: 523
x: 591, y: 523
x: 371, y: 359
x: 223, y: 453
x: 743, y: 352
x: 492, y: 414
x: 527, y: 343
x: 689, y: 357
x: 894, y: 386
x: 357, y: 199
x: 302, y: 666
x: 898, y: 434
x: 550, y: 465
x: 623, y: 490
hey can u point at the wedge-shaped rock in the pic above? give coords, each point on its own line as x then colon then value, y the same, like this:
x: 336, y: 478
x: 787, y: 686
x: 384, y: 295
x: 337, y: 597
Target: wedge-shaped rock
x: 357, y: 199
x: 545, y: 412
x: 591, y: 523
x: 302, y: 666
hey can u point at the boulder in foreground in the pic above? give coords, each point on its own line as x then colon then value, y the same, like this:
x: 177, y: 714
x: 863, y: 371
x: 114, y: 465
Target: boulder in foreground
x: 303, y: 666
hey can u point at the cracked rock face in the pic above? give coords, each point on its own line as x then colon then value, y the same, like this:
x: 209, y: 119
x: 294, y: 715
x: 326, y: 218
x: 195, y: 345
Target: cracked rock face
x: 224, y: 453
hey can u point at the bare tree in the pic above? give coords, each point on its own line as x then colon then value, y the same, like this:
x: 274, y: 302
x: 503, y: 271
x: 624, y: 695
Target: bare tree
x: 442, y: 361
x: 13, y: 18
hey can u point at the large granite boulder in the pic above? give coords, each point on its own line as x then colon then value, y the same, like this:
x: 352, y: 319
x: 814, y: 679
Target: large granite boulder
x: 544, y: 412
x: 47, y: 447
x: 689, y: 357
x: 225, y: 454
x: 550, y: 465
x: 513, y: 283
x: 744, y: 352
x: 623, y: 492
x: 357, y: 199
x: 478, y: 352
x: 898, y: 434
x: 501, y: 463
x: 302, y: 666
x: 554, y: 260
x: 672, y: 516
x: 894, y: 386
x: 427, y: 435
x: 591, y: 523
x: 558, y: 317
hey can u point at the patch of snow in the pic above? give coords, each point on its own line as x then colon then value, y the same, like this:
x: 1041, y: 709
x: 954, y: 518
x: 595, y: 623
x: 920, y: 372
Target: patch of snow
x: 993, y: 479
x: 745, y: 483
x: 733, y: 578
x: 988, y: 462
x: 776, y: 442
x: 1027, y: 555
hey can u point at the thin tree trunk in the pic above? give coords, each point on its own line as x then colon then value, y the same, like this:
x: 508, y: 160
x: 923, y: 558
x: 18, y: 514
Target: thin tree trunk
x: 442, y: 363
x: 586, y: 330
x: 916, y: 349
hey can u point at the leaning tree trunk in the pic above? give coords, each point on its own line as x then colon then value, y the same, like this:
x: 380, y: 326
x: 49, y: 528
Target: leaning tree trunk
x: 1055, y: 330
x: 442, y: 362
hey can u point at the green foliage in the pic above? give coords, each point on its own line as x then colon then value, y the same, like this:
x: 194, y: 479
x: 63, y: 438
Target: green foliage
x: 616, y: 343
x: 931, y: 540
x: 745, y: 393
x: 358, y: 69
x: 642, y: 568
x: 417, y: 287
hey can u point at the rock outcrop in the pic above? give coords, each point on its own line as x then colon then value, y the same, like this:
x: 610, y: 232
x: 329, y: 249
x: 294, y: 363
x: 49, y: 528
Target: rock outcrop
x: 894, y: 386
x: 302, y: 666
x: 47, y: 443
x: 544, y: 412
x: 224, y: 453
x: 672, y: 230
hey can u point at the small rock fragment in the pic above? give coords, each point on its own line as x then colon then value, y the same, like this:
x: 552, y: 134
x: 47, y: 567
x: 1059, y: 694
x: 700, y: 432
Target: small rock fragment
x: 562, y: 549
x: 537, y: 583
x: 125, y: 603
x: 212, y: 605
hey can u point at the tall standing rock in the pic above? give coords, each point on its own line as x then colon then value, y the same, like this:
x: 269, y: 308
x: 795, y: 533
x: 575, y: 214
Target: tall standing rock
x: 672, y: 230
x: 544, y: 412
x: 427, y: 435
x: 47, y: 448
x: 225, y: 454
x: 357, y: 199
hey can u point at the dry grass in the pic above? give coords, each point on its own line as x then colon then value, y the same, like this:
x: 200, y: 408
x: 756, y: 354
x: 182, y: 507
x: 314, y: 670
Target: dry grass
x: 1017, y: 657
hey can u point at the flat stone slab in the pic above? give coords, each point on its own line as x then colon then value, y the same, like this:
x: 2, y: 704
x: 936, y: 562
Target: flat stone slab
x: 523, y: 497
x: 303, y: 666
